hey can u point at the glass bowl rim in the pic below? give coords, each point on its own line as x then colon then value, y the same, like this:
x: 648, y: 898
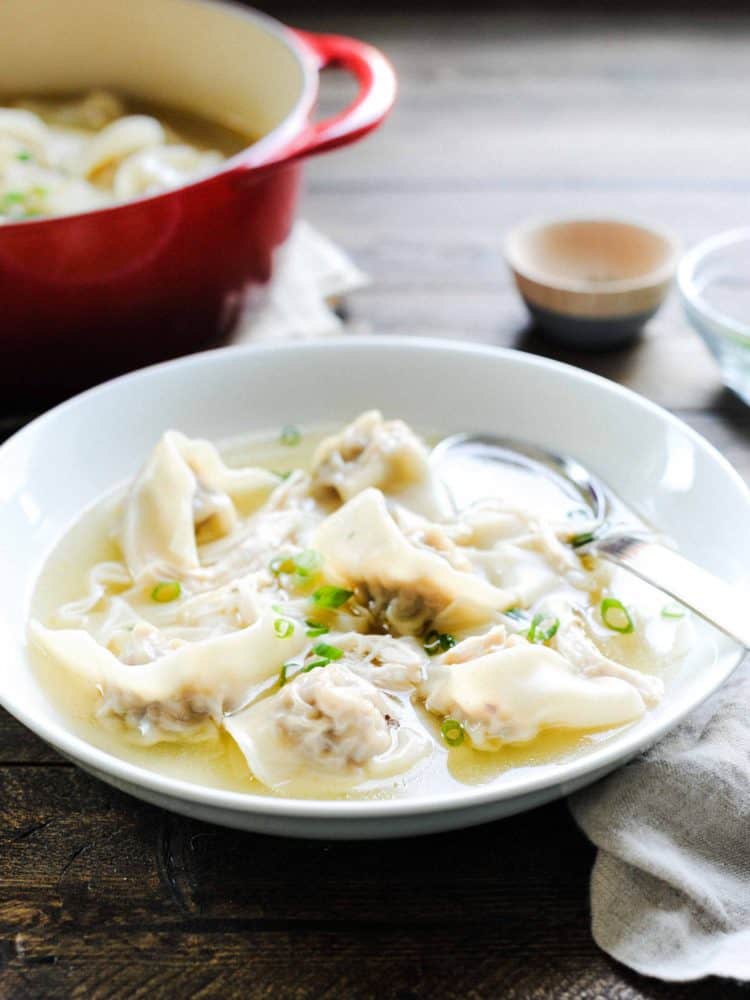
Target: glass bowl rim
x: 686, y: 282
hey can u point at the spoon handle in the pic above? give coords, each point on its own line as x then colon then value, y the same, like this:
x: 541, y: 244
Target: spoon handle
x: 705, y: 594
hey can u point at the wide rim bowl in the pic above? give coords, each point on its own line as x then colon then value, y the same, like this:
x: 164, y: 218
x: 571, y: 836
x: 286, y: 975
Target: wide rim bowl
x: 372, y: 368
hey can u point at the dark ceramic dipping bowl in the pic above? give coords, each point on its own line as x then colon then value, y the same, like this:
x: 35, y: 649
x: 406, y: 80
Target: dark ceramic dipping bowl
x: 591, y: 283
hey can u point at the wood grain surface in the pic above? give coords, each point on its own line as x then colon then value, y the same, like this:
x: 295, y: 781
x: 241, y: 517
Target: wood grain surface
x: 499, y: 117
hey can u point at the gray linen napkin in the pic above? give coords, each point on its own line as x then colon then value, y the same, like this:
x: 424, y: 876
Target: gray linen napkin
x: 670, y: 888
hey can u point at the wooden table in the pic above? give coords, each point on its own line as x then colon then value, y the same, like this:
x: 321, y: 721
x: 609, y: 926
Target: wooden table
x: 498, y: 118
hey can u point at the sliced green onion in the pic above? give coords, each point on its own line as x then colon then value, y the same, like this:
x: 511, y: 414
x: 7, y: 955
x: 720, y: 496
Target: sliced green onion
x: 537, y: 634
x: 307, y: 563
x: 329, y: 652
x: 283, y: 628
x: 24, y: 155
x: 281, y: 564
x: 290, y: 435
x: 282, y: 475
x: 284, y: 672
x: 616, y: 616
x: 14, y: 198
x: 517, y: 613
x: 315, y: 629
x: 322, y: 662
x: 452, y: 732
x: 331, y: 597
x: 673, y: 611
x: 438, y: 642
x: 168, y: 590
x: 583, y: 539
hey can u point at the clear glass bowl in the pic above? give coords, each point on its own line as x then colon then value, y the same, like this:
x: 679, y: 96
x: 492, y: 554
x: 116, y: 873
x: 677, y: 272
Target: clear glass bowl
x: 714, y: 283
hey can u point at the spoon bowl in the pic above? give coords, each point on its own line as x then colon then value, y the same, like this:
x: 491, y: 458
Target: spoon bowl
x: 700, y: 591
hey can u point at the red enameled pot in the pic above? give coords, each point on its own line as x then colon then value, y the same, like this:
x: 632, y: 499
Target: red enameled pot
x: 85, y: 296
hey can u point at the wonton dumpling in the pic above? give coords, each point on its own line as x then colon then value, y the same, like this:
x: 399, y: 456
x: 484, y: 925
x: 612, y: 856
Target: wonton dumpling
x: 511, y: 694
x: 161, y: 168
x: 362, y: 544
x: 183, y: 484
x: 327, y: 728
x: 396, y: 664
x: 193, y: 683
x: 573, y: 643
x: 385, y: 454
x: 119, y: 139
x: 24, y: 127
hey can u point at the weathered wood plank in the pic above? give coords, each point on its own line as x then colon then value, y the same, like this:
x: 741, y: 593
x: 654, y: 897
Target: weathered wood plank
x: 125, y: 901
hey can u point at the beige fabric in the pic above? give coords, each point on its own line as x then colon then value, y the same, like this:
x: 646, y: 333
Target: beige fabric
x: 311, y: 273
x: 670, y: 889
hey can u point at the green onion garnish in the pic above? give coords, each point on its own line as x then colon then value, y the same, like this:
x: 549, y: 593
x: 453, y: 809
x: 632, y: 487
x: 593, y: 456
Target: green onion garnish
x: 329, y: 652
x: 452, y: 732
x: 517, y: 613
x: 616, y: 616
x: 13, y: 197
x: 673, y: 611
x: 438, y: 642
x: 168, y: 590
x: 284, y: 672
x: 307, y: 563
x: 290, y: 435
x: 331, y: 597
x: 24, y: 155
x: 577, y: 540
x: 322, y: 662
x: 537, y: 634
x: 283, y: 628
x: 315, y: 629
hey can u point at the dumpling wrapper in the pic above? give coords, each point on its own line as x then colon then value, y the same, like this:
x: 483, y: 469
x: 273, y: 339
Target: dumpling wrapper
x: 362, y: 544
x: 159, y: 517
x: 191, y: 683
x: 512, y: 694
x: 281, y: 764
x: 385, y: 454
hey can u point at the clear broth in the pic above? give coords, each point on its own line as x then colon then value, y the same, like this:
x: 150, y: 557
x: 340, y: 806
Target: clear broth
x: 219, y: 763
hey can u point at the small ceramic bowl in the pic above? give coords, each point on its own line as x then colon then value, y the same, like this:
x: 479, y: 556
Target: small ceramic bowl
x: 714, y: 283
x: 591, y: 283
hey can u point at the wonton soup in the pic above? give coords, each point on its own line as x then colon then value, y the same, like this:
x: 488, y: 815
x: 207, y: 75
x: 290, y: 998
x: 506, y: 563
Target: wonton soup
x: 68, y: 155
x: 311, y: 616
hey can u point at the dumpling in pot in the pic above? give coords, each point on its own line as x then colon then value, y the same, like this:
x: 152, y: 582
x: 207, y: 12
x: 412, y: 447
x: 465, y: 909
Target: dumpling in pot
x: 373, y: 452
x: 516, y: 690
x: 185, y: 686
x: 183, y: 491
x: 362, y: 544
x: 326, y: 729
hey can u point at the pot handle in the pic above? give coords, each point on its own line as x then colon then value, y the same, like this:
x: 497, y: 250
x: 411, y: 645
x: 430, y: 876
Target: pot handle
x: 377, y: 91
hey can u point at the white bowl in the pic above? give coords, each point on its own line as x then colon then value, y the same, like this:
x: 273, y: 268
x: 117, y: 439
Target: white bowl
x: 67, y: 458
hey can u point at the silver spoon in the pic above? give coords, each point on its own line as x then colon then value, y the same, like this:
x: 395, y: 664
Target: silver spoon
x: 696, y: 588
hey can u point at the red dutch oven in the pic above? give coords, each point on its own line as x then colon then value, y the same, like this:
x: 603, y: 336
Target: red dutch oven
x: 86, y: 296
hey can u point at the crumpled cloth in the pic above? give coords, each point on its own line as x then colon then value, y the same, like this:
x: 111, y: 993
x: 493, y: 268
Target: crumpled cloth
x: 310, y: 274
x: 670, y: 888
